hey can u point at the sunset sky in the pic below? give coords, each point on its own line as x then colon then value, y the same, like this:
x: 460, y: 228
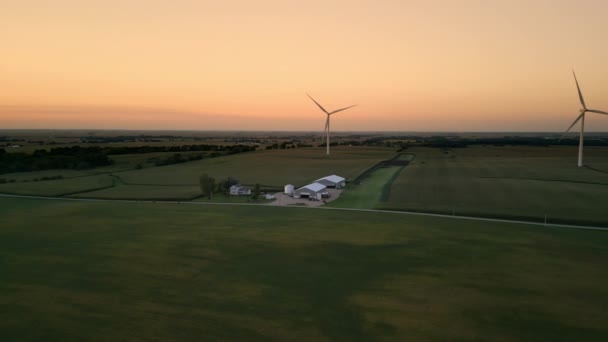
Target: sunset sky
x: 410, y: 65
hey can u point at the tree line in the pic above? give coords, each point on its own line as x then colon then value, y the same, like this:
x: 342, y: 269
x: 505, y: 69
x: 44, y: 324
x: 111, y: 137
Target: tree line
x: 81, y: 158
x: 73, y: 158
x: 209, y: 186
x: 226, y: 149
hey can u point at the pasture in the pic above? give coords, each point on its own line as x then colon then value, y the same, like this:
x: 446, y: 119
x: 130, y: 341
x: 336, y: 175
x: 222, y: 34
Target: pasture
x: 269, y: 167
x: 102, y: 271
x: 516, y: 182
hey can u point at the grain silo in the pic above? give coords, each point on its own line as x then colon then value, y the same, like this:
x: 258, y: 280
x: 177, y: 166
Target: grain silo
x: 289, y: 189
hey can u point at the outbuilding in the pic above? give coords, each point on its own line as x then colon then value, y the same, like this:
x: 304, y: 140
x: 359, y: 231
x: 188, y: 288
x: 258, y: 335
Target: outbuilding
x: 314, y: 190
x: 332, y: 181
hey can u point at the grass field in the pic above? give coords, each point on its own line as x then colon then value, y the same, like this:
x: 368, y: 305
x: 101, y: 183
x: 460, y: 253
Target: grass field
x: 121, y: 163
x: 102, y: 271
x: 271, y: 168
x: 367, y: 194
x: 524, y: 182
x: 58, y: 187
x: 148, y: 192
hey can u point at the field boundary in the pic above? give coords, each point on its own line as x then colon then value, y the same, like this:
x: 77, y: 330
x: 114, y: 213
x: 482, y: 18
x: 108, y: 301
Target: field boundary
x: 380, y: 164
x: 387, y: 211
x: 594, y: 169
x: 546, y: 180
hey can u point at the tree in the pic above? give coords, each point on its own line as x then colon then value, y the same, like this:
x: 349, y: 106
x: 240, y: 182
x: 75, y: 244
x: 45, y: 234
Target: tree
x: 224, y: 185
x: 207, y: 185
x: 256, y: 191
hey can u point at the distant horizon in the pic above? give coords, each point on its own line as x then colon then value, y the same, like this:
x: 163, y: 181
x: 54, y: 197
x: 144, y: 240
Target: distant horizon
x: 571, y: 134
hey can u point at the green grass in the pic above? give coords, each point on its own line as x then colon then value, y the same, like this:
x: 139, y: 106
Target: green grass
x: 143, y: 271
x: 367, y: 194
x: 518, y: 182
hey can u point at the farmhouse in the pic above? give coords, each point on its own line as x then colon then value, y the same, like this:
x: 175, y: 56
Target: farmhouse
x: 239, y: 190
x: 314, y: 190
x: 332, y: 181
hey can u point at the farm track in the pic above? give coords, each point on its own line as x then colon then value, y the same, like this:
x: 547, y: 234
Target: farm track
x: 394, y: 212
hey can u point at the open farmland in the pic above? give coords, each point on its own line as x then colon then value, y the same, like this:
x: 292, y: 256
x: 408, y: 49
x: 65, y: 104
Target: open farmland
x: 270, y: 167
x: 149, y: 192
x: 517, y: 182
x: 144, y: 271
x: 58, y: 187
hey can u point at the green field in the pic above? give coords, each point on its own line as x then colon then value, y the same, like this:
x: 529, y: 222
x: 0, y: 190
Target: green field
x: 367, y: 194
x: 121, y: 163
x: 102, y: 271
x: 148, y: 192
x: 58, y: 187
x: 517, y: 182
x: 271, y: 168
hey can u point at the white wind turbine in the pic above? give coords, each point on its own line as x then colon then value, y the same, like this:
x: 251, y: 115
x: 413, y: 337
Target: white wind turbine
x: 581, y: 117
x: 327, y: 121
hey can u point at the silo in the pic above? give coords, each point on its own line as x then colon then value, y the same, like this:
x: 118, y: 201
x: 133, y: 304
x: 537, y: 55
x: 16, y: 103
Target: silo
x: 289, y: 189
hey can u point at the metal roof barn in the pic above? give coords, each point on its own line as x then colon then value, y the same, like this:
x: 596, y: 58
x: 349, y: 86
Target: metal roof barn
x: 314, y: 190
x: 332, y: 181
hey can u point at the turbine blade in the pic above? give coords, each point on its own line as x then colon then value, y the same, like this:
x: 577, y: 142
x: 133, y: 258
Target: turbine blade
x: 341, y: 109
x: 597, y: 111
x: 313, y: 100
x: 580, y: 95
x: 569, y: 128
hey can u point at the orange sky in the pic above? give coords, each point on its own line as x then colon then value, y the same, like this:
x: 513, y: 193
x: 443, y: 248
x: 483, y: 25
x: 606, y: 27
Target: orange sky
x: 410, y: 65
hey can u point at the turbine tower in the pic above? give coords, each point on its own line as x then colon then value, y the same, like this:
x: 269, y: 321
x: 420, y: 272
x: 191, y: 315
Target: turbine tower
x: 581, y: 117
x: 327, y: 120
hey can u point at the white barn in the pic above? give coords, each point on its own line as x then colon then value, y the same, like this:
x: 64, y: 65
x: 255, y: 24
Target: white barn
x: 314, y: 190
x: 332, y: 181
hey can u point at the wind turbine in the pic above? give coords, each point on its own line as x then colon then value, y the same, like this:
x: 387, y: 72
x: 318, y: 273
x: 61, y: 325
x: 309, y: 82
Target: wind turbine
x: 581, y: 117
x: 327, y: 121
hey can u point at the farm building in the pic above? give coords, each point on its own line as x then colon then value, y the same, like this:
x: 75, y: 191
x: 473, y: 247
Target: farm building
x: 332, y: 181
x: 239, y: 190
x: 314, y: 190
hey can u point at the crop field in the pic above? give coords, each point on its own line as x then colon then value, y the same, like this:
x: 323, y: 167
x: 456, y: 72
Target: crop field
x: 59, y: 187
x: 518, y: 182
x: 121, y: 163
x: 270, y: 168
x: 102, y: 271
x: 149, y: 192
x: 273, y: 168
